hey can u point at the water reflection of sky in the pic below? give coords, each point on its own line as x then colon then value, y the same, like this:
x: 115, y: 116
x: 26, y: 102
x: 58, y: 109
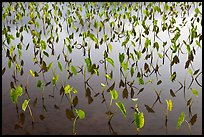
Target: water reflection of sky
x: 95, y: 112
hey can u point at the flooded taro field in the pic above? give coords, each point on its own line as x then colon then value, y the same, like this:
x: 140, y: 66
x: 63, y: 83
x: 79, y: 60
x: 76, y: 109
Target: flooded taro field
x: 92, y: 68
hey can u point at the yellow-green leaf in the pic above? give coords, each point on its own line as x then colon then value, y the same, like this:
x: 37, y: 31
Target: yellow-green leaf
x: 139, y: 119
x: 180, y: 120
x: 110, y: 61
x: 169, y: 104
x: 121, y: 107
x: 80, y: 113
x: 114, y: 94
x: 74, y: 71
x: 93, y: 37
x: 108, y: 76
x: 67, y: 89
x: 32, y: 73
x: 195, y: 92
x: 25, y: 104
x: 60, y: 65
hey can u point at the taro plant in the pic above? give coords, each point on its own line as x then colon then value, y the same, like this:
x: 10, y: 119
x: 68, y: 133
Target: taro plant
x: 169, y: 107
x: 25, y: 105
x: 181, y: 119
x: 138, y: 117
x: 73, y: 100
x: 40, y: 84
x: 15, y: 92
x: 80, y: 114
x: 114, y: 96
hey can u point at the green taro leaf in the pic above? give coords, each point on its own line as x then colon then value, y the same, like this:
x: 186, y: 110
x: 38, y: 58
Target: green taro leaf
x: 25, y: 104
x: 131, y: 71
x: 139, y: 54
x: 114, y: 94
x: 121, y: 107
x: 49, y: 66
x: 195, y: 92
x: 180, y: 120
x: 80, y: 113
x: 160, y: 55
x: 173, y: 76
x: 39, y: 83
x: 190, y: 71
x: 9, y: 63
x: 67, y: 89
x: 156, y: 45
x: 13, y: 96
x: 19, y: 91
x: 43, y: 44
x: 32, y: 73
x: 121, y: 57
x: 74, y: 91
x: 110, y: 61
x: 169, y: 104
x: 54, y: 80
x: 141, y: 81
x: 93, y: 37
x: 108, y: 76
x: 74, y: 71
x: 125, y: 66
x: 60, y: 65
x: 15, y: 93
x: 139, y: 119
x: 88, y: 63
x: 110, y: 47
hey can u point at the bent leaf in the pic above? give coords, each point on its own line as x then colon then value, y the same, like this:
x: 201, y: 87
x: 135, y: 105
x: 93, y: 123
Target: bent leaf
x: 93, y: 37
x: 121, y: 107
x: 110, y: 61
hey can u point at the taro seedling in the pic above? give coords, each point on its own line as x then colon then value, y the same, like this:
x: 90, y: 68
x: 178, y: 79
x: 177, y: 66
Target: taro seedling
x: 168, y: 109
x: 67, y: 90
x: 181, y: 119
x: 24, y: 106
x: 40, y: 84
x: 114, y: 96
x: 79, y: 114
x: 121, y: 106
x: 14, y: 94
x: 138, y: 117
